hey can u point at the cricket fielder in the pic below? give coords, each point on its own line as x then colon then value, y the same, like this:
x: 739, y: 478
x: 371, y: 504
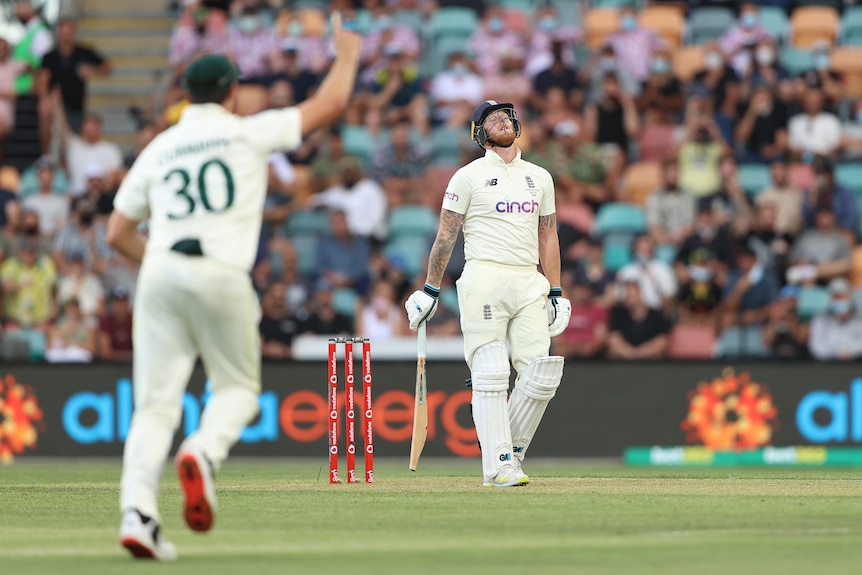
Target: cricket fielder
x: 506, y: 208
x: 202, y: 185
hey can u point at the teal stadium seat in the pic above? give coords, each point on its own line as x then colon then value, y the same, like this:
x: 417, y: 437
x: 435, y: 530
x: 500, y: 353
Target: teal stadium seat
x: 620, y: 218
x: 449, y: 299
x: 306, y: 254
x: 666, y: 253
x: 795, y: 61
x: 453, y: 21
x: 851, y: 27
x: 410, y: 251
x: 418, y: 221
x: 344, y: 301
x: 617, y: 251
x: 411, y: 18
x: 850, y: 176
x: 754, y: 178
x: 709, y: 23
x: 775, y: 20
x: 812, y: 301
x: 741, y: 342
x: 357, y: 141
x: 446, y: 145
x: 31, y: 340
x: 30, y: 182
x: 616, y: 3
x: 312, y: 223
x: 526, y: 6
x: 443, y: 48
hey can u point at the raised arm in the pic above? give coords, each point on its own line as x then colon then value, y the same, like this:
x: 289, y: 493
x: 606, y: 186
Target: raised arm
x: 444, y: 243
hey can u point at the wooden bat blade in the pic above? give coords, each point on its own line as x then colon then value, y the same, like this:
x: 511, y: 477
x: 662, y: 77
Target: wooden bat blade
x: 420, y: 415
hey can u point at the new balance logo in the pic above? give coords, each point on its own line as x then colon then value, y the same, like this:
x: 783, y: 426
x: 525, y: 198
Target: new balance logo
x: 530, y: 183
x: 491, y: 182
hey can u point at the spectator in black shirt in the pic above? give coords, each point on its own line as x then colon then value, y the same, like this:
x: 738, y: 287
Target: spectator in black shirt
x: 557, y: 76
x: 763, y: 127
x: 68, y: 67
x: 662, y: 89
x: 614, y: 118
x: 822, y: 77
x: 277, y: 327
x: 784, y: 335
x: 301, y: 80
x: 709, y: 245
x: 636, y: 331
x: 716, y: 74
x: 323, y: 318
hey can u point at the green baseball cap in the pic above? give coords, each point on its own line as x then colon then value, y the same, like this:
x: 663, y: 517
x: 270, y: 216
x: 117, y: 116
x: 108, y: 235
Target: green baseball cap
x: 208, y: 75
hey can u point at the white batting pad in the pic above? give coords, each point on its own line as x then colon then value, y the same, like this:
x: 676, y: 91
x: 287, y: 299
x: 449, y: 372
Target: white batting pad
x: 490, y: 376
x: 536, y: 386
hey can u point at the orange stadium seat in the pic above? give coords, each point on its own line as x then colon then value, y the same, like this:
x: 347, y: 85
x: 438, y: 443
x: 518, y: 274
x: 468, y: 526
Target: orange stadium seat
x: 599, y: 23
x: 810, y: 24
x: 313, y: 21
x: 847, y: 60
x: 856, y: 268
x: 687, y: 61
x: 691, y: 342
x: 668, y: 21
x: 251, y: 99
x: 640, y: 180
x: 10, y: 179
x: 656, y: 143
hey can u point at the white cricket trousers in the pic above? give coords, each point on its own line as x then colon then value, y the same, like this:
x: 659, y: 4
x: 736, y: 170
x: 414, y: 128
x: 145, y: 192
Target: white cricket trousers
x: 187, y: 307
x: 500, y: 303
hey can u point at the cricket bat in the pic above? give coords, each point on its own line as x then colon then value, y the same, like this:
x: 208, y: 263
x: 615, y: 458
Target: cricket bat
x: 420, y: 402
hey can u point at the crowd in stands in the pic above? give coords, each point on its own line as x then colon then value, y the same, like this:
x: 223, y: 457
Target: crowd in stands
x: 707, y: 157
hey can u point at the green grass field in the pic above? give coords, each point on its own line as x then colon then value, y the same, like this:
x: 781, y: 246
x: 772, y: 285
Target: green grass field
x: 281, y: 517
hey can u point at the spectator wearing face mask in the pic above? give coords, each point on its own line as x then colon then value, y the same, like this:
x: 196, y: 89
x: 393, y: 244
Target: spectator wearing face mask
x: 822, y: 77
x: 814, y: 132
x: 708, y: 243
x: 670, y: 209
x: 379, y: 318
x: 765, y: 67
x: 763, y: 127
x: 493, y: 39
x: 657, y: 281
x: 715, y: 75
x: 454, y: 91
x: 836, y: 334
x: 699, y: 294
x: 613, y: 120
x: 662, y: 89
x: 550, y: 31
x: 253, y: 46
x: 603, y: 62
x: 635, y: 46
x: 749, y: 290
x: 199, y: 29
x: 558, y: 75
x: 737, y: 42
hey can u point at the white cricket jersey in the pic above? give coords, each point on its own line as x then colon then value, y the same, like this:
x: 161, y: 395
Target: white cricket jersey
x: 501, y: 204
x: 205, y: 178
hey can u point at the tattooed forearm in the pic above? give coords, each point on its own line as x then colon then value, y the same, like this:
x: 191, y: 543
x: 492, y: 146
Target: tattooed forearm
x: 547, y: 222
x: 441, y: 251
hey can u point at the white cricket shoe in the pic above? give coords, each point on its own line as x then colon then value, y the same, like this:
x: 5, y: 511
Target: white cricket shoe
x: 196, y: 480
x: 143, y: 538
x: 509, y: 477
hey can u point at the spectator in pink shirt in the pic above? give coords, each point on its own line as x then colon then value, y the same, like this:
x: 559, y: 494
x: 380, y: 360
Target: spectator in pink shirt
x: 253, y: 46
x: 550, y: 29
x: 739, y: 42
x: 312, y: 49
x: 491, y: 40
x: 634, y: 46
x: 199, y: 29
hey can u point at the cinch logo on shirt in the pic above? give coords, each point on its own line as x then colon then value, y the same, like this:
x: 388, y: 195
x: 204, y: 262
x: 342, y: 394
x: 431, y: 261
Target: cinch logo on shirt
x: 452, y: 196
x: 508, y: 207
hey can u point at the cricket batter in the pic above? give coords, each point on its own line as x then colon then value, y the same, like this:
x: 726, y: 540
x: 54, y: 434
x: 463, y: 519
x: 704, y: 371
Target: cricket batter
x: 506, y: 207
x: 201, y: 184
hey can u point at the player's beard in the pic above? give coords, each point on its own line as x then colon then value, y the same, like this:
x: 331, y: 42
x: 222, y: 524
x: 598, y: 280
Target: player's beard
x: 504, y: 140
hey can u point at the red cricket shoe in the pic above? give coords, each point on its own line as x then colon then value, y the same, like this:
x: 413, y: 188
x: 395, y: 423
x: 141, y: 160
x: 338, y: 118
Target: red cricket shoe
x: 196, y: 480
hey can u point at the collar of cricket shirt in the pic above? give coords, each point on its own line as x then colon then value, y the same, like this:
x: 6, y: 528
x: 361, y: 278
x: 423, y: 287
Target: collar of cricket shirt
x: 494, y: 158
x: 198, y: 110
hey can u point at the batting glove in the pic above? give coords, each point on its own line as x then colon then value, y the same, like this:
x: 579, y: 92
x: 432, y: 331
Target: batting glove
x: 421, y: 305
x: 559, y: 312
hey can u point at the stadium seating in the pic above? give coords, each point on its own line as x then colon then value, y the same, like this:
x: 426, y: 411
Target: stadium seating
x: 847, y: 61
x: 754, y: 178
x: 810, y: 24
x: 851, y: 27
x: 691, y: 342
x: 453, y: 21
x: 850, y: 176
x: 449, y: 299
x: 517, y: 21
x: 668, y: 21
x: 30, y: 184
x: 577, y: 215
x: 411, y: 220
x: 29, y: 344
x: 357, y: 141
x: 656, y: 142
x: 812, y: 301
x: 344, y: 301
x: 709, y: 23
x: 640, y: 180
x: 411, y: 18
x: 446, y: 145
x: 687, y: 61
x: 311, y: 223
x: 795, y: 61
x: 410, y: 251
x: 620, y: 217
x: 617, y: 250
x: 599, y: 23
x: 10, y: 179
x: 775, y: 20
x: 741, y: 342
x: 666, y: 253
x: 615, y: 4
x: 306, y: 254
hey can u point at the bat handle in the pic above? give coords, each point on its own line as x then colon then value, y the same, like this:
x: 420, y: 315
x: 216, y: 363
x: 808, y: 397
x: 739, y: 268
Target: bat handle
x: 421, y: 342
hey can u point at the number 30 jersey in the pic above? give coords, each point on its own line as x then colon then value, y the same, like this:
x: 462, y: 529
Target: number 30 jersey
x: 206, y: 179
